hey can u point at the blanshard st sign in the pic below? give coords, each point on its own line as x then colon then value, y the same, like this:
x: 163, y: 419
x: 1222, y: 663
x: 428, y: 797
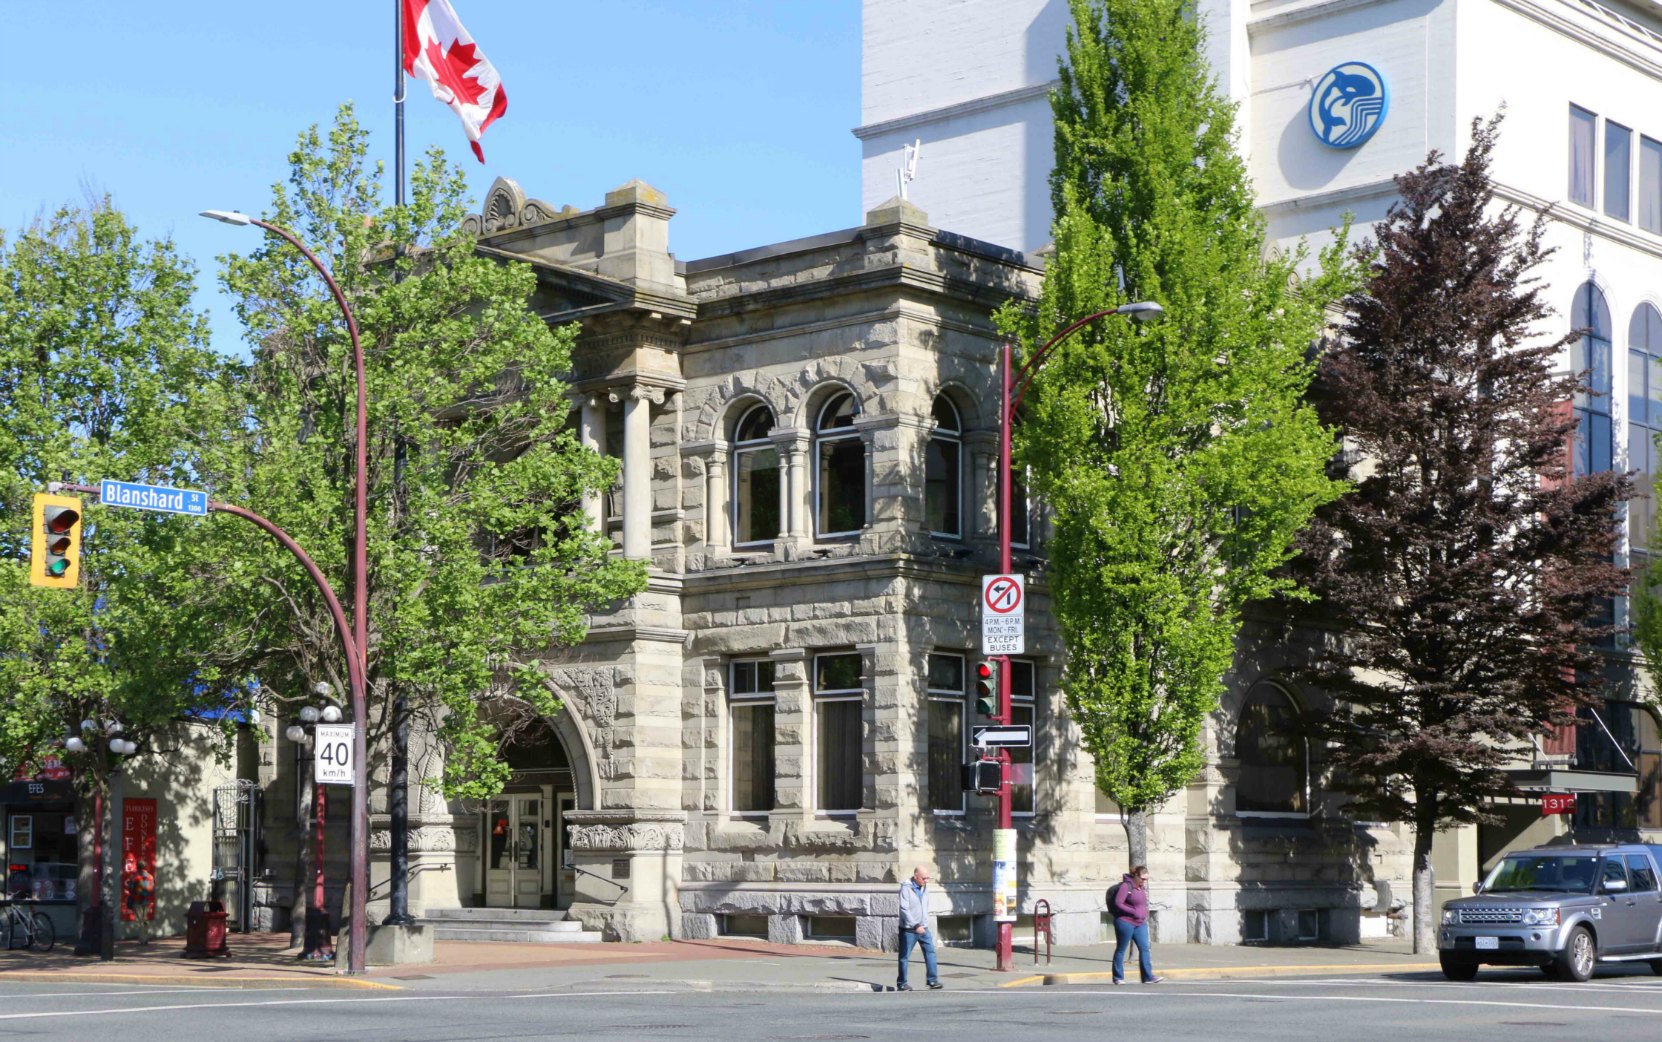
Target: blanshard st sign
x: 153, y: 497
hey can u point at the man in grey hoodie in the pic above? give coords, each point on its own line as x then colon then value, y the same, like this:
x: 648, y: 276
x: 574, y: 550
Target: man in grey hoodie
x: 914, y: 928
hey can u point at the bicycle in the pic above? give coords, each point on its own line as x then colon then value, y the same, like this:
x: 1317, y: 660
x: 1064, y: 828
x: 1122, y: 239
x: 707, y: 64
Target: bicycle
x: 34, y: 929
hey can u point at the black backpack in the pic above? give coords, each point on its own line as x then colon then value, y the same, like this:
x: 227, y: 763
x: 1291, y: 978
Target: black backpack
x: 1111, y: 892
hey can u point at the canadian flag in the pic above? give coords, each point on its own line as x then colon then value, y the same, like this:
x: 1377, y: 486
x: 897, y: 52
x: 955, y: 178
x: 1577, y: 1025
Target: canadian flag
x: 438, y: 47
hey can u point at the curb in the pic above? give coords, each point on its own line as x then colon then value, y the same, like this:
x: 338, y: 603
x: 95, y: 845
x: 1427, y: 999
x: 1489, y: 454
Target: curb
x: 1226, y: 973
x: 193, y: 980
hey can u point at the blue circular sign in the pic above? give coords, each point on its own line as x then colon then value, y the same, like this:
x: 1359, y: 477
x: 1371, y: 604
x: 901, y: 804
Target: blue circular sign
x: 1348, y: 104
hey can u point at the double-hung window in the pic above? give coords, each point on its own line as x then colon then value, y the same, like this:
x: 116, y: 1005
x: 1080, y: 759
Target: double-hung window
x: 839, y: 469
x: 1650, y: 185
x: 756, y: 513
x: 839, y: 732
x: 1644, y: 419
x: 942, y: 470
x: 1618, y: 170
x: 1583, y: 138
x: 946, y: 733
x: 750, y: 706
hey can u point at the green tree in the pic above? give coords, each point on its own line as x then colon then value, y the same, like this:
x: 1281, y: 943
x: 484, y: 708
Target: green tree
x: 1471, y: 570
x: 1180, y: 459
x: 479, y: 557
x: 105, y: 373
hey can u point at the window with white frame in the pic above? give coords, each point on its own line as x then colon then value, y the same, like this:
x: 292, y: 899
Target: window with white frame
x: 943, y: 471
x: 1273, y: 755
x: 1023, y: 710
x: 839, y: 732
x: 1590, y: 358
x: 1650, y: 185
x: 1644, y: 419
x: 945, y: 686
x: 755, y: 479
x: 839, y: 469
x: 750, y: 742
x: 1583, y: 138
x: 1618, y: 170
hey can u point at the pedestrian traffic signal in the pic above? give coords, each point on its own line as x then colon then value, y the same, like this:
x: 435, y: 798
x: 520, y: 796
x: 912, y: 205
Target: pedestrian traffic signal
x: 982, y: 776
x: 986, y: 688
x: 55, y: 545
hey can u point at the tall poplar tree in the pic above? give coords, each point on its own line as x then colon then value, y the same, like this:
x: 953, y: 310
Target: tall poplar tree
x: 1179, y: 459
x: 1469, y: 573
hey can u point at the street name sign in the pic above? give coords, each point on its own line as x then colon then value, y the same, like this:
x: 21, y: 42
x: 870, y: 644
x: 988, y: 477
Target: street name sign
x: 153, y: 497
x: 332, y: 754
x: 1003, y: 615
x: 1009, y: 736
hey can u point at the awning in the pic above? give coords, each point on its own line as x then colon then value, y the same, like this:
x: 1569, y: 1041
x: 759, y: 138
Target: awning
x: 1548, y: 778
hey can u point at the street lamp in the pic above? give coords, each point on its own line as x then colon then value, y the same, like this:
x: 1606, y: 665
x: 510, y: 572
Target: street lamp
x: 358, y: 928
x: 1014, y: 386
x: 97, y: 932
x: 317, y: 944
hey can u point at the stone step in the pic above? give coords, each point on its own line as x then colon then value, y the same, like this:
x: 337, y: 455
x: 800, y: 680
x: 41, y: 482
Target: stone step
x: 504, y: 933
x: 517, y: 915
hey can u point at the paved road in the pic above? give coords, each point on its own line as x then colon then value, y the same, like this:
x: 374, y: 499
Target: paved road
x: 1517, y: 1007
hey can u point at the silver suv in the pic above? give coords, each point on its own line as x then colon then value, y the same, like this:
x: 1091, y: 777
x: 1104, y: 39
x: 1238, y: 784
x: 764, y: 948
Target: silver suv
x: 1560, y: 908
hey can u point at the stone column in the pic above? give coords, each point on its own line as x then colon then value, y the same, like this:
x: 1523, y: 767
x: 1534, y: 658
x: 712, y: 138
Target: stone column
x: 981, y: 499
x: 717, y: 525
x: 792, y: 709
x: 592, y: 431
x: 796, y: 489
x: 637, y: 471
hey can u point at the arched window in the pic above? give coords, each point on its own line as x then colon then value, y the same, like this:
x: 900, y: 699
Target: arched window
x: 1274, y: 757
x: 1590, y: 356
x: 839, y: 469
x: 942, y: 472
x: 755, y: 479
x: 1644, y: 418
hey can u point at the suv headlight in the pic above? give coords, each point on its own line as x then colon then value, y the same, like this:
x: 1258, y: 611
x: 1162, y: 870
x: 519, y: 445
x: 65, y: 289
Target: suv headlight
x: 1451, y: 915
x: 1540, y: 917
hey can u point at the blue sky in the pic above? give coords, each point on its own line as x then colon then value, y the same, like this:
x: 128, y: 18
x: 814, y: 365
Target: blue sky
x: 740, y: 111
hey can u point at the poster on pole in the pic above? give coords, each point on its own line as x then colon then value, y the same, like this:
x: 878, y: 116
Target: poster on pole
x: 1004, y: 876
x: 332, y: 755
x: 1003, y: 615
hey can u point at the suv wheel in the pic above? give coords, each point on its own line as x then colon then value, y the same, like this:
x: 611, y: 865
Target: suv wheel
x: 1456, y: 968
x: 1576, y: 961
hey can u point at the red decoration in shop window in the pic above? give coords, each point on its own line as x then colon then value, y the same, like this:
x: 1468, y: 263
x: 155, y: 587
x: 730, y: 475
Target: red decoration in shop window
x: 138, y: 859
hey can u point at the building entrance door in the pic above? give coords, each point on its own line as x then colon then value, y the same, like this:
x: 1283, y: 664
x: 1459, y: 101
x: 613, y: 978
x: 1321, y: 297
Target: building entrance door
x: 515, y: 865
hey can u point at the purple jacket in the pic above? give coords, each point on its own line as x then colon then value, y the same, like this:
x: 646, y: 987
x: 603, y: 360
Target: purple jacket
x: 1131, y: 902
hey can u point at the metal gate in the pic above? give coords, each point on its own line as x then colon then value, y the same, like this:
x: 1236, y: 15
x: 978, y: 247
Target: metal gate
x: 236, y: 831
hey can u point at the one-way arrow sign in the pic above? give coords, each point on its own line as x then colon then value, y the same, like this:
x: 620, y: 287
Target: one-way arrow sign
x: 1010, y: 736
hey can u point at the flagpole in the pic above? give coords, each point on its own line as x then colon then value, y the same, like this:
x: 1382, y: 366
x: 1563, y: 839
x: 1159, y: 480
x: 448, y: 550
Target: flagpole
x: 398, y: 796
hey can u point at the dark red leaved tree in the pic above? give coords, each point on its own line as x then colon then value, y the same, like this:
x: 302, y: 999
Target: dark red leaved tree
x: 1469, y: 573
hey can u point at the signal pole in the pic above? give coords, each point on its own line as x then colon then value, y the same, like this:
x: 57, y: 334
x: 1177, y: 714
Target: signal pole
x: 1013, y: 385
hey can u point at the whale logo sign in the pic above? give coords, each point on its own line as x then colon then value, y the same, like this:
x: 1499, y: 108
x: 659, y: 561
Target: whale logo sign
x: 1348, y: 104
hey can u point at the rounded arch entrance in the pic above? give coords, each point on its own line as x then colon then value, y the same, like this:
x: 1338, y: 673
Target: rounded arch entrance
x: 522, y: 859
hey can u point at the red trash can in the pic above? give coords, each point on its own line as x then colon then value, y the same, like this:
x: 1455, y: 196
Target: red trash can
x: 205, y: 931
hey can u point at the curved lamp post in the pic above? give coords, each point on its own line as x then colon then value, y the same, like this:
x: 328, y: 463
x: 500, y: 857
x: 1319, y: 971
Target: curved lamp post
x: 1014, y: 386
x: 360, y: 592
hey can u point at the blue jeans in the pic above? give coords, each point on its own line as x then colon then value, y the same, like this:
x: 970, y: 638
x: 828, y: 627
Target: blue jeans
x: 1125, y: 931
x: 924, y: 940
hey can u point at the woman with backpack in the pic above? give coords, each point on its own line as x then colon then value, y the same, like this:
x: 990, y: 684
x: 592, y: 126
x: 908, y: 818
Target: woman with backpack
x: 1129, y: 903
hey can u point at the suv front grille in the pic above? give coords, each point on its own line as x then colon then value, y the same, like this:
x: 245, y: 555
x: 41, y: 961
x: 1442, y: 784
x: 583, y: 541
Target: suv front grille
x: 1491, y: 915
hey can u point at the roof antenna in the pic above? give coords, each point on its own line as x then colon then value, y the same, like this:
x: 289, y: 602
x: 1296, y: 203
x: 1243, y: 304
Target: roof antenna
x: 908, y: 166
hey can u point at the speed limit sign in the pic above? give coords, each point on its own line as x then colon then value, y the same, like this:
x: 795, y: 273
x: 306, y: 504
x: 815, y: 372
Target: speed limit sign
x: 332, y: 755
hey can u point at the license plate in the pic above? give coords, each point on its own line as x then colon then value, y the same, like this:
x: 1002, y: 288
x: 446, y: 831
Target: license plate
x: 1488, y: 943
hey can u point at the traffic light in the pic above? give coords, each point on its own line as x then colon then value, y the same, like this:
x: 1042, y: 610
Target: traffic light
x: 55, y: 545
x: 986, y: 688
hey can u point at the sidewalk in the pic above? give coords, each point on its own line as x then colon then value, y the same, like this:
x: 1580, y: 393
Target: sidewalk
x: 262, y: 961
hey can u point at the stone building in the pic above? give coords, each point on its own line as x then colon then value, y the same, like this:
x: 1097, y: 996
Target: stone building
x: 767, y: 739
